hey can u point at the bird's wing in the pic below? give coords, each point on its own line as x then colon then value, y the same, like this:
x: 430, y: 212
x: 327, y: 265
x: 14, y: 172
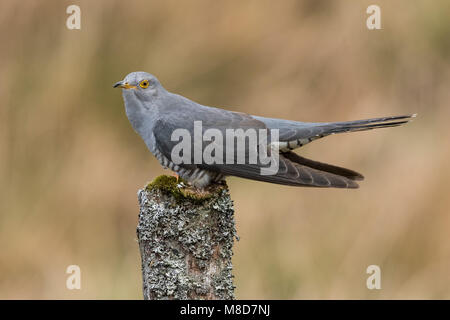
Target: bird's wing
x: 187, y: 115
x: 295, y: 134
x: 290, y: 171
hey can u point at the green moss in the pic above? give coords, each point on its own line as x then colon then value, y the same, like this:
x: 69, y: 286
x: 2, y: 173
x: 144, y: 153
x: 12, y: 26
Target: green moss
x: 166, y: 183
x: 169, y: 185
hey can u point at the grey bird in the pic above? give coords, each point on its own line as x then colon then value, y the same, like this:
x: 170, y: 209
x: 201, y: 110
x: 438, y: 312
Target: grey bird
x: 155, y: 113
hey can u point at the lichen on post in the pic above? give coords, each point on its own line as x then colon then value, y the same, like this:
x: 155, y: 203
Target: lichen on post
x: 186, y: 239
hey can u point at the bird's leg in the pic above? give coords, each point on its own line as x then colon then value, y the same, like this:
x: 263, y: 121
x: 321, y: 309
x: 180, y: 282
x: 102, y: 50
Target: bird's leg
x: 176, y: 176
x: 180, y: 184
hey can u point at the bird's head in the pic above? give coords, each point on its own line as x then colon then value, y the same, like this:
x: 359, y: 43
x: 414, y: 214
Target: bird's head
x: 142, y: 84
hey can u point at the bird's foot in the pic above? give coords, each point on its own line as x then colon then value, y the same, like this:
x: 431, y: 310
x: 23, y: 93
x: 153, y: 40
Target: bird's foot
x: 180, y: 184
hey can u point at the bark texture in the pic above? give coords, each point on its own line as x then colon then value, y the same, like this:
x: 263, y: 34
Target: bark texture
x: 186, y: 240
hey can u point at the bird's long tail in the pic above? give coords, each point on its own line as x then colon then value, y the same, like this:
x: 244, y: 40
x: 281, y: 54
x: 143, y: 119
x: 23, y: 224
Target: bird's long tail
x: 297, y: 134
x: 368, y: 124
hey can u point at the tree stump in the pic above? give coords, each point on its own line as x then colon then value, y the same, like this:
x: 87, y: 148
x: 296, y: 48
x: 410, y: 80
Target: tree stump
x: 186, y: 239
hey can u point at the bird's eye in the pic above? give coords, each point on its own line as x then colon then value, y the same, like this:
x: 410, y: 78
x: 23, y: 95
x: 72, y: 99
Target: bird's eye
x: 144, y: 84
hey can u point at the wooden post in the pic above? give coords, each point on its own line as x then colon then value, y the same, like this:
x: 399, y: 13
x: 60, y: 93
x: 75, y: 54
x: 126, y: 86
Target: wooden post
x: 186, y: 239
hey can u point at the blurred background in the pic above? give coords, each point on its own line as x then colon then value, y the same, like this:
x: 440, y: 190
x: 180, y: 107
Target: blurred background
x: 70, y: 163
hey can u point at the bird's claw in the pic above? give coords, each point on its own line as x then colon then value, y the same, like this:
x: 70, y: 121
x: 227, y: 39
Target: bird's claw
x: 181, y: 185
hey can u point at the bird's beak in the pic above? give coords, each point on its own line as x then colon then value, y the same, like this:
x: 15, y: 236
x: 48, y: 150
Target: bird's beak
x: 123, y: 85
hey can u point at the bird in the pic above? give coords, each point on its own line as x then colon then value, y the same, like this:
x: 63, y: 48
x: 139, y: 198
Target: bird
x: 155, y: 114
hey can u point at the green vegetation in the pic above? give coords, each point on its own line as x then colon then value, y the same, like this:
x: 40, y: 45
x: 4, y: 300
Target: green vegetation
x: 180, y: 190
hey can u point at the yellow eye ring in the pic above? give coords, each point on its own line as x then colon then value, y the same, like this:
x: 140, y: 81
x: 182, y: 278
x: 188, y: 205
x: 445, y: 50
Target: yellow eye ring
x: 144, y: 84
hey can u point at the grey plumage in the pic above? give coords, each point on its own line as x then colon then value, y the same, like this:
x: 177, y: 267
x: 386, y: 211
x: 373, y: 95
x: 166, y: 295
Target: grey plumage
x: 155, y: 113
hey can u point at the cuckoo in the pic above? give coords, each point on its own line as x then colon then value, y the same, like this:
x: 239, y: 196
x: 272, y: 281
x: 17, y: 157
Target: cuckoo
x: 155, y: 114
